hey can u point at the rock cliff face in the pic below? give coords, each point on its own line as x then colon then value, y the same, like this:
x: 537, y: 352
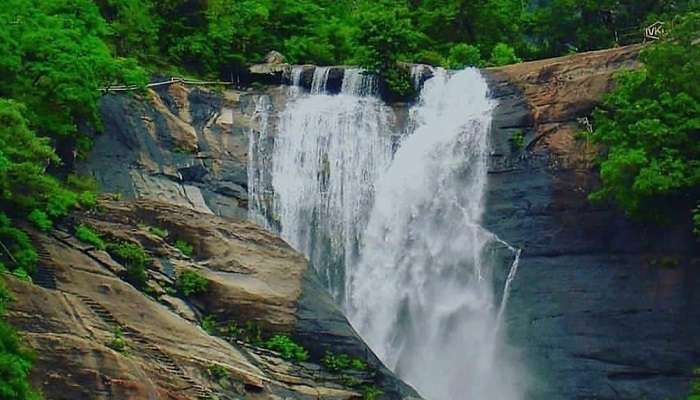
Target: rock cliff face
x: 255, y: 281
x: 602, y: 307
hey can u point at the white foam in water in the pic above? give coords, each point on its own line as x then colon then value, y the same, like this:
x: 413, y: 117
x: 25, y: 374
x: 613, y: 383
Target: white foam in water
x: 398, y: 239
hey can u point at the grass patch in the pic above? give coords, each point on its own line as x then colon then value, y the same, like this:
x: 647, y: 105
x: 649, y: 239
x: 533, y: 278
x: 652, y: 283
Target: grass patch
x: 87, y: 235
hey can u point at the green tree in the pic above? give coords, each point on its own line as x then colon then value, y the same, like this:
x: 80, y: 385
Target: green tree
x: 464, y: 55
x: 502, y: 54
x: 650, y: 127
x: 385, y: 37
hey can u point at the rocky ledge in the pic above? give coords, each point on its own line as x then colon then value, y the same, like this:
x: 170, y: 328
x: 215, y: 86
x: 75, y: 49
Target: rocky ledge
x: 82, y: 304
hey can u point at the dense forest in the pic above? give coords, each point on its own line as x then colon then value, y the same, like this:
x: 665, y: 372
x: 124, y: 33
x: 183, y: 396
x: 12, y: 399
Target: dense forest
x: 55, y: 55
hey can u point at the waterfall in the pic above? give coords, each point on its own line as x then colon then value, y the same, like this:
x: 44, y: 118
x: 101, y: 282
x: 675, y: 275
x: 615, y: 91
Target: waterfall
x: 326, y: 156
x: 422, y: 291
x: 397, y: 237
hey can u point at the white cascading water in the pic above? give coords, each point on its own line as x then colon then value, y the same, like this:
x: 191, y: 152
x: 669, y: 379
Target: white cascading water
x: 398, y: 238
x: 326, y: 156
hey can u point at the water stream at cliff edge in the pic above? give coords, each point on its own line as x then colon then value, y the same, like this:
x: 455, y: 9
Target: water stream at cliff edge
x: 396, y: 234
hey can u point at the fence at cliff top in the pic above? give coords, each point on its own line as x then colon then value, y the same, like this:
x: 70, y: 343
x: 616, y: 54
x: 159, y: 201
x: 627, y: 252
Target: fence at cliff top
x: 125, y: 88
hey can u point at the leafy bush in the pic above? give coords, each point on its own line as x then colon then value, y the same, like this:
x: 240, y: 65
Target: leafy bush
x: 287, y: 348
x: 503, y: 54
x: 184, y: 247
x: 21, y: 274
x: 191, y: 283
x: 649, y: 127
x: 118, y: 343
x: 88, y: 235
x: 21, y: 251
x: 134, y: 258
x: 341, y: 362
x: 209, y: 324
x: 371, y: 393
x: 217, y: 372
x: 464, y: 55
x: 429, y: 57
x: 15, y: 359
x: 40, y: 220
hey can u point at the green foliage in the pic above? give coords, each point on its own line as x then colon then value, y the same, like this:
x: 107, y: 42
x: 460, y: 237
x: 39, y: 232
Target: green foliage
x: 464, y: 55
x: 55, y: 62
x: 649, y: 125
x: 209, y: 324
x: 517, y: 141
x: 184, y: 247
x: 289, y: 349
x: 385, y: 37
x: 191, y: 283
x: 503, y: 54
x: 696, y: 220
x: 118, y: 343
x: 15, y: 359
x: 22, y: 274
x: 22, y: 253
x: 40, y: 220
x: 371, y: 393
x: 217, y: 372
x: 341, y: 362
x: 694, y: 389
x: 160, y: 232
x: 88, y: 235
x: 134, y: 258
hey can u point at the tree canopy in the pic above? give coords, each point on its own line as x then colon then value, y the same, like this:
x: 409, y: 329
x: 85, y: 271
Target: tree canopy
x: 650, y: 127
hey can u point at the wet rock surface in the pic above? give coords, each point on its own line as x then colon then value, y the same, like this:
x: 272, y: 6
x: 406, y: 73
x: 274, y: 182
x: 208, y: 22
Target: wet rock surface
x: 602, y: 307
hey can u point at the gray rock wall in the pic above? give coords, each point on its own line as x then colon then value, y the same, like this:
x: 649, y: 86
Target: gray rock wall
x: 602, y: 307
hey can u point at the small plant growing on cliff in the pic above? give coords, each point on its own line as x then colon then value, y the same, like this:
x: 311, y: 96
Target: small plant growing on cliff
x: 160, y: 232
x: 134, y: 258
x: 289, y: 349
x: 341, y: 362
x: 208, y: 323
x: 696, y: 221
x: 184, y: 247
x: 232, y: 331
x: 88, y: 235
x: 191, y: 283
x: 41, y: 220
x: 217, y: 372
x: 371, y: 393
x: 517, y: 141
x: 118, y: 343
